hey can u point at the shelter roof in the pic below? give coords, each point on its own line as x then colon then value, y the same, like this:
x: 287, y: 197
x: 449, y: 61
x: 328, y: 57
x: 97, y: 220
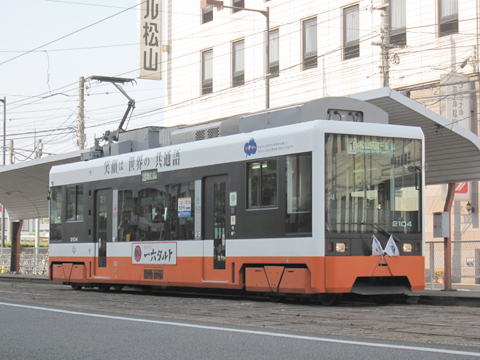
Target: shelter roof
x: 24, y: 186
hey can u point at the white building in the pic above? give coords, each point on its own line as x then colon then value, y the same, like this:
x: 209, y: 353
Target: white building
x: 214, y: 66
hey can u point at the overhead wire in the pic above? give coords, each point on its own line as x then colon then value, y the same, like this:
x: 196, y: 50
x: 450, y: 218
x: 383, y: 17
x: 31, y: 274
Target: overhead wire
x: 249, y: 82
x: 70, y: 34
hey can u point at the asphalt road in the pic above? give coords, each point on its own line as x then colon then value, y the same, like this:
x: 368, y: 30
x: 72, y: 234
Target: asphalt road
x: 72, y: 335
x: 55, y: 322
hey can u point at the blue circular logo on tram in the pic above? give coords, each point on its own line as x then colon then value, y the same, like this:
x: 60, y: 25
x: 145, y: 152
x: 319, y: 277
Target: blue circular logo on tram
x: 250, y: 148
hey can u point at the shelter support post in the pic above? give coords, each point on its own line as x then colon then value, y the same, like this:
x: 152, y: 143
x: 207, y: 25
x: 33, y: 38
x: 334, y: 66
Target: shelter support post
x: 15, y: 256
x: 447, y: 244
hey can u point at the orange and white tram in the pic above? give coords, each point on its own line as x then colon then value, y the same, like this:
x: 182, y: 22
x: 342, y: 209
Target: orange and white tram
x: 293, y: 209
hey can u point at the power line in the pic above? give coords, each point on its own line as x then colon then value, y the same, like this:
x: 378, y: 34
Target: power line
x: 70, y: 34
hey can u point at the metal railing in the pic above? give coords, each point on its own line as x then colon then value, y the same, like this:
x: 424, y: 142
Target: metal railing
x: 32, y: 261
x: 5, y: 260
x: 465, y: 262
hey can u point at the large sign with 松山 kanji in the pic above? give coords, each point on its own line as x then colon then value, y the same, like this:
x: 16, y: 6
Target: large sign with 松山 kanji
x: 150, y: 39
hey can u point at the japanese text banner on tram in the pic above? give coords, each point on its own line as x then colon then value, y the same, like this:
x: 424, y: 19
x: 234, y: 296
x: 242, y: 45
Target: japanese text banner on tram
x: 278, y: 141
x: 159, y: 253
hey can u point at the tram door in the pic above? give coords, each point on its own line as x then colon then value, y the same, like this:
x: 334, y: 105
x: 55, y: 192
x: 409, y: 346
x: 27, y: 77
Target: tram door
x: 215, y: 227
x: 103, y: 229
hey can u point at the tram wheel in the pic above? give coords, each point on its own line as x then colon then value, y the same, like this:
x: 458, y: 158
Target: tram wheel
x: 117, y: 287
x: 329, y: 299
x: 103, y: 288
x: 76, y: 287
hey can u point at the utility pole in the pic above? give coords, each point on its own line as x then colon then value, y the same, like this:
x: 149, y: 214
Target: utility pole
x: 38, y: 149
x: 4, y: 127
x: 385, y: 42
x: 4, y: 149
x: 81, y: 116
x: 10, y: 150
x: 267, y: 60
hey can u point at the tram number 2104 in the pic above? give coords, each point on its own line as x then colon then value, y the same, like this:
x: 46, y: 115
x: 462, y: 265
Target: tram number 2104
x: 401, y: 224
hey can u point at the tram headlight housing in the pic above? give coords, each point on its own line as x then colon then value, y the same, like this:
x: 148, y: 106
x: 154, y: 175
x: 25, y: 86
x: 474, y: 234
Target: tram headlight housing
x: 340, y: 247
x: 407, y: 247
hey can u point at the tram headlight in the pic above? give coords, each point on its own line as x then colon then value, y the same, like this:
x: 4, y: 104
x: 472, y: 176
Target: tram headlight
x: 407, y: 247
x: 340, y: 247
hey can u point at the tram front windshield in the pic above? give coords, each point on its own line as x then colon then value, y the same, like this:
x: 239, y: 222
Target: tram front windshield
x: 372, y: 183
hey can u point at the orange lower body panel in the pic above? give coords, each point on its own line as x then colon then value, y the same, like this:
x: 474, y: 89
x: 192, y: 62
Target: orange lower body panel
x: 307, y: 275
x: 341, y: 272
x: 256, y: 280
x: 296, y: 281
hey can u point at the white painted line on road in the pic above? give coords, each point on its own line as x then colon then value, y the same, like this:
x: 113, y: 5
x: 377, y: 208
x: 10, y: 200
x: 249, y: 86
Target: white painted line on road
x: 251, y: 332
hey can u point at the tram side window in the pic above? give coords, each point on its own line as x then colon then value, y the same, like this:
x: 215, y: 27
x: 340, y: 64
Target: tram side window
x: 74, y: 202
x: 127, y: 219
x: 299, y: 193
x: 262, y: 184
x: 162, y: 212
x: 179, y: 214
x: 55, y: 213
x: 151, y: 213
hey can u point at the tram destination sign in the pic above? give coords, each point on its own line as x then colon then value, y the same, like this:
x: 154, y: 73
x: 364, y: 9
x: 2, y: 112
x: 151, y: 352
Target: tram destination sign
x: 149, y: 175
x: 371, y: 147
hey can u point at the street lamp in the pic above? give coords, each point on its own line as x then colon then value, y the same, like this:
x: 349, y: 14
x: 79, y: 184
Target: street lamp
x: 470, y: 208
x: 219, y: 5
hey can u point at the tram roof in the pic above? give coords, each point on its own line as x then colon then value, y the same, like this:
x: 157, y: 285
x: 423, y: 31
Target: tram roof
x: 452, y: 154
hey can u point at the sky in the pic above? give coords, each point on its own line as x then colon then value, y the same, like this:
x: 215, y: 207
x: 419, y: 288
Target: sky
x: 45, y: 46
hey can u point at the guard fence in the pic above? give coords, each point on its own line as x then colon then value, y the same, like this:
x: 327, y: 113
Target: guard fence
x: 33, y: 261
x: 465, y: 262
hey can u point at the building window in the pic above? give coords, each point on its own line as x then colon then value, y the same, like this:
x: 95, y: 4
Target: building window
x: 74, y: 202
x: 274, y: 48
x: 351, y: 33
x: 448, y: 17
x: 207, y: 72
x: 310, y: 43
x: 207, y: 14
x: 262, y: 184
x: 238, y: 63
x: 238, y: 3
x: 398, y: 22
